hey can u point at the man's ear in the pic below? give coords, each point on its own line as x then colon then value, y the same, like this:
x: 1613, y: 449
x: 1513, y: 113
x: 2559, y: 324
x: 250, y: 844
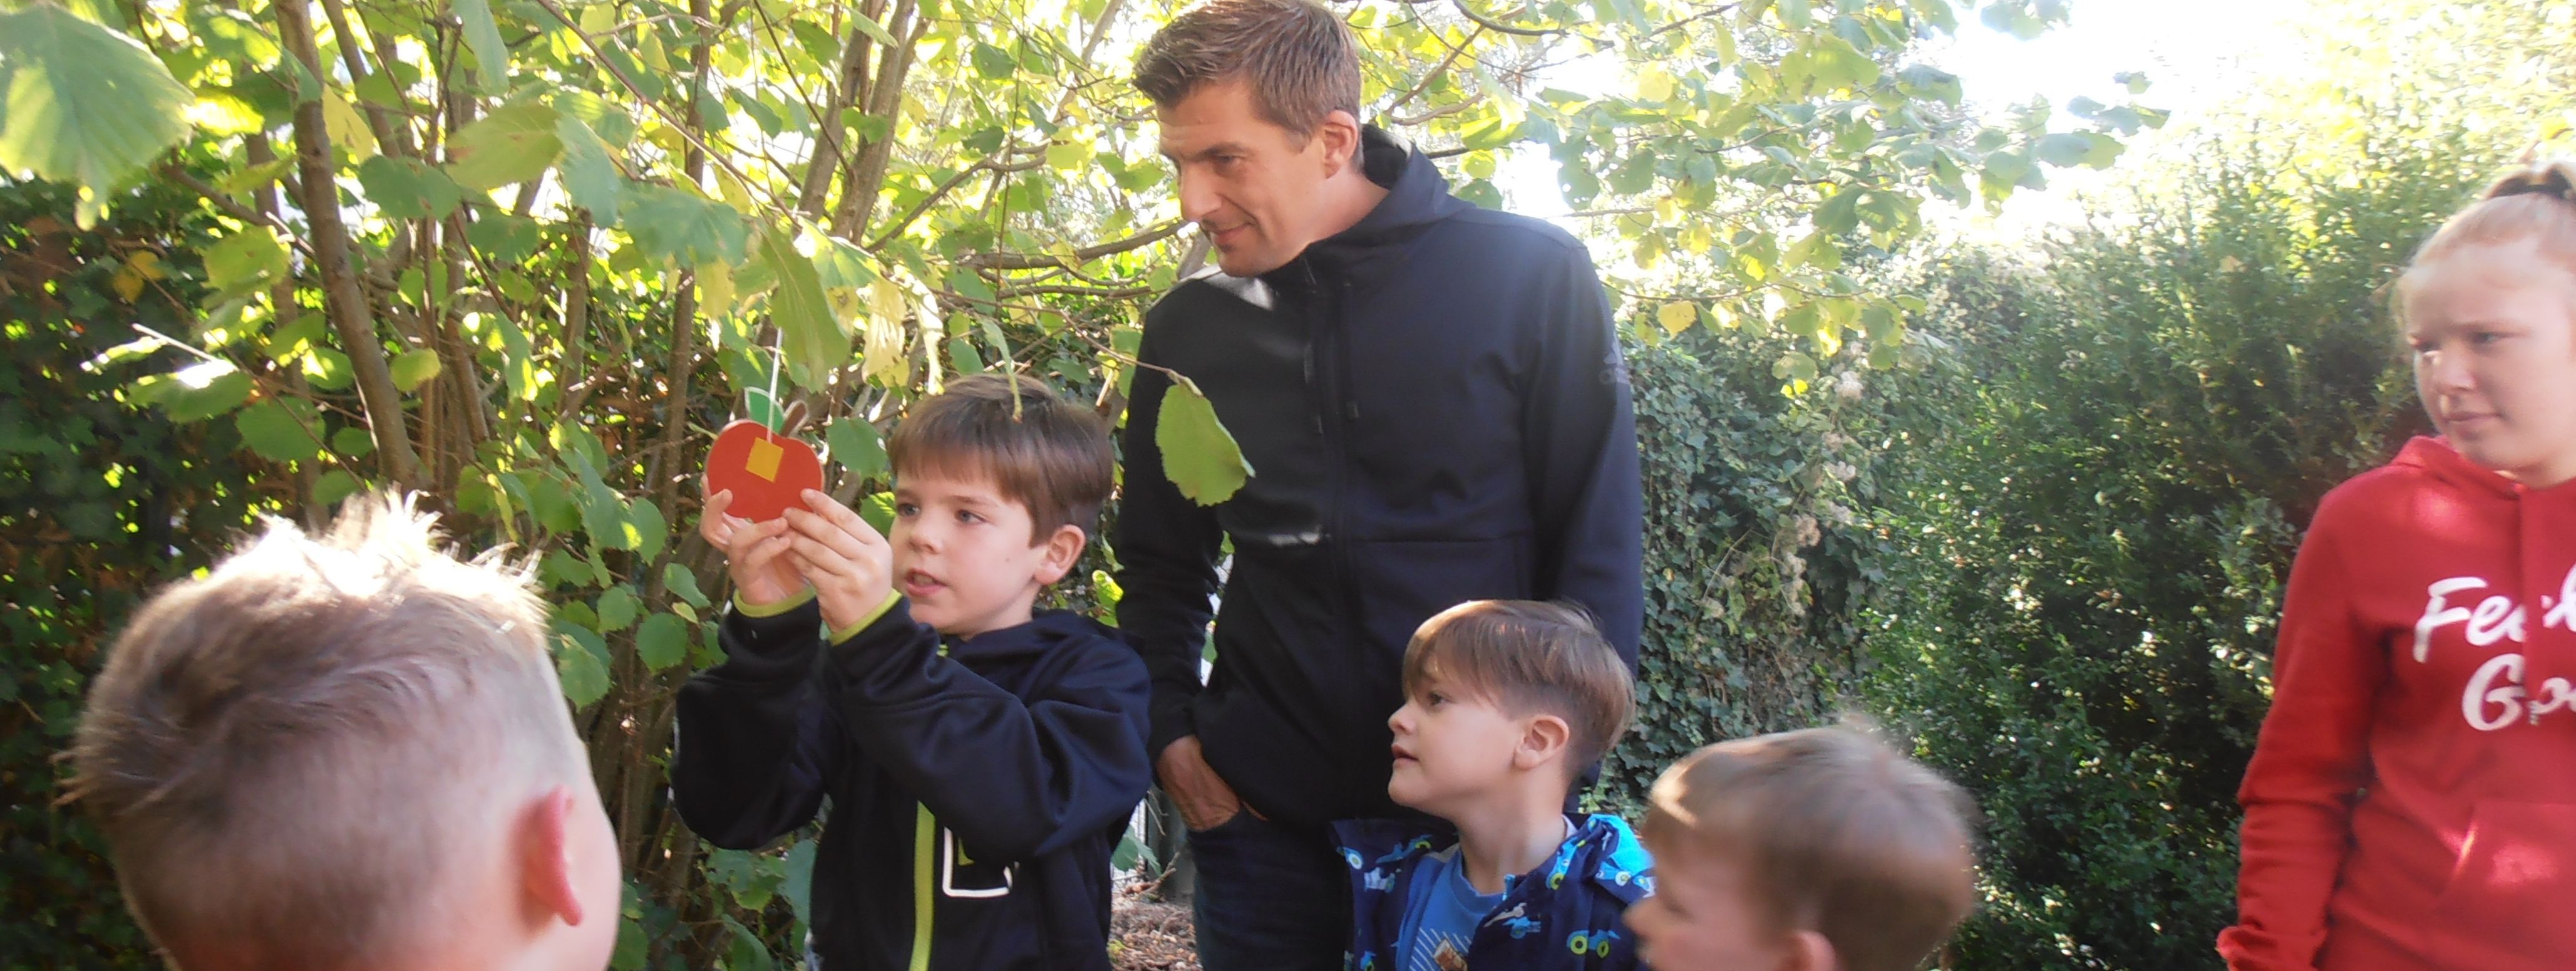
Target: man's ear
x: 1062, y: 548
x: 545, y: 863
x: 1340, y: 132
x: 1543, y: 739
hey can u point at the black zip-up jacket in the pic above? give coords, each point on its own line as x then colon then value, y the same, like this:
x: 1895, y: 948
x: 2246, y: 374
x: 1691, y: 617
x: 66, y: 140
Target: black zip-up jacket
x: 1435, y: 410
x: 989, y: 779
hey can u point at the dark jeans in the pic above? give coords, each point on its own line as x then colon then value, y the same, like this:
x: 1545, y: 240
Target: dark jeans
x: 1270, y: 897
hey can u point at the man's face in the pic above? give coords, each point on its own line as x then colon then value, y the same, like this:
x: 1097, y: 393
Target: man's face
x: 1255, y: 188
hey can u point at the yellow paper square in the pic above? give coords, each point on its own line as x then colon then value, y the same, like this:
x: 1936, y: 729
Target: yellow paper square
x: 764, y: 459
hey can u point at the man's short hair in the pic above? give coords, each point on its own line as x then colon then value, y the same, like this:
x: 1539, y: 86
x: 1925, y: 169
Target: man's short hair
x: 1298, y: 58
x: 1038, y: 450
x: 296, y: 757
x: 1835, y: 832
x: 1529, y: 658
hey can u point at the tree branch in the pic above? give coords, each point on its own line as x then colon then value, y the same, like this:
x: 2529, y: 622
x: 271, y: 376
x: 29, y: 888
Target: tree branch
x: 345, y: 305
x: 1503, y: 28
x: 1032, y: 261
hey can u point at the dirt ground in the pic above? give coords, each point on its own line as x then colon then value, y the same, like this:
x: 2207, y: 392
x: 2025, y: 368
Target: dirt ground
x: 1147, y: 935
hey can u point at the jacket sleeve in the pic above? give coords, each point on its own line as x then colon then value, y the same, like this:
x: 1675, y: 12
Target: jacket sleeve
x: 1015, y: 780
x: 1167, y: 548
x: 2309, y: 764
x: 754, y: 748
x: 1580, y: 435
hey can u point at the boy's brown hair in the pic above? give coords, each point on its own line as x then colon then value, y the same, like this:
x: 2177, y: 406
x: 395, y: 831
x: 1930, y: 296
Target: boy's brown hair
x: 1298, y: 58
x: 1834, y: 832
x: 1527, y: 657
x: 295, y: 755
x: 1038, y: 450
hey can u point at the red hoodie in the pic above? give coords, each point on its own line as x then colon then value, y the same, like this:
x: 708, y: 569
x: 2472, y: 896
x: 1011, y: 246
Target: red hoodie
x: 2412, y: 799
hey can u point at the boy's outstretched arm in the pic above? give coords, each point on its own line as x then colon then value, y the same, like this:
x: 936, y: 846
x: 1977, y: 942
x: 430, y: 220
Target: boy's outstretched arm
x: 754, y: 748
x: 1013, y: 779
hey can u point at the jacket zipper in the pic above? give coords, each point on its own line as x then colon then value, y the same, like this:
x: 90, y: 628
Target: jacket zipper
x: 925, y: 843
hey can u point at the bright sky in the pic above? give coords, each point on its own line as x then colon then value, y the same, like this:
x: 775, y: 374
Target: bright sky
x: 2197, y: 53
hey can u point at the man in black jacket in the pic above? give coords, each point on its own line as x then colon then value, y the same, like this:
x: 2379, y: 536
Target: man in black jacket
x: 1432, y: 400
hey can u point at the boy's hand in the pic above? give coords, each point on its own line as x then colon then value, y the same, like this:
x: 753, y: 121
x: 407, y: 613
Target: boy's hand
x: 755, y: 553
x: 850, y: 564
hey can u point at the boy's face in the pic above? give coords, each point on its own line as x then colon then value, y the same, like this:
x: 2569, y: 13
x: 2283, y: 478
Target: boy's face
x: 1451, y: 747
x: 962, y: 554
x: 1702, y: 917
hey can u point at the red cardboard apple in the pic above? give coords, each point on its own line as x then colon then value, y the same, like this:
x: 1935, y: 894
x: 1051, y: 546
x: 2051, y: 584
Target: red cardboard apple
x: 767, y: 472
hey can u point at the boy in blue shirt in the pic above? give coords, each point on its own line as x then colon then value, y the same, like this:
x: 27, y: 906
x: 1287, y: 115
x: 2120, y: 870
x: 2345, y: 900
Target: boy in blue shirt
x: 1507, y: 702
x: 981, y: 757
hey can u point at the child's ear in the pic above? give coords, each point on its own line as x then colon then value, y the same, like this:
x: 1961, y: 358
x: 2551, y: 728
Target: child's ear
x: 1810, y: 951
x: 1062, y: 548
x: 1543, y: 739
x: 546, y: 867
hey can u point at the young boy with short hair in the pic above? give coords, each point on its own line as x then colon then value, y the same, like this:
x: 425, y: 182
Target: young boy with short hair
x: 1507, y: 703
x: 348, y: 751
x: 1814, y: 850
x: 982, y: 758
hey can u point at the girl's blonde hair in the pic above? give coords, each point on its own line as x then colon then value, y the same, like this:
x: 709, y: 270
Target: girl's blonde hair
x: 2536, y: 203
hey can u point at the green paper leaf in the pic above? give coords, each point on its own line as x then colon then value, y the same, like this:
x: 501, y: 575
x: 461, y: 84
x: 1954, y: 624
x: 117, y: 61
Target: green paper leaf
x: 83, y: 104
x: 662, y: 641
x: 1199, y: 455
x: 414, y: 368
x: 509, y: 146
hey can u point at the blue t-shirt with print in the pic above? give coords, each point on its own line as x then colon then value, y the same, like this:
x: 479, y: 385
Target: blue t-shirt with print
x: 1442, y: 915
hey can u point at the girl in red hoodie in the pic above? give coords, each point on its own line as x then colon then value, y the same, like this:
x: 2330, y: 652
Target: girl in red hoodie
x: 2412, y: 799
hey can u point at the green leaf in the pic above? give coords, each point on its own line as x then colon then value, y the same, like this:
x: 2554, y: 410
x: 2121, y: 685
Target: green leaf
x: 679, y: 580
x: 1794, y: 366
x: 646, y: 528
x: 195, y: 398
x: 245, y: 260
x: 617, y: 608
x: 878, y: 510
x: 406, y: 189
x: 2063, y: 149
x: 1199, y: 455
x: 353, y: 441
x: 856, y: 448
x: 414, y: 368
x: 511, y: 145
x: 347, y: 128
x: 491, y: 57
x: 678, y: 225
x: 581, y: 661
x: 333, y: 486
x: 589, y: 173
x: 662, y: 641
x: 277, y: 430
x: 814, y: 342
x: 994, y: 63
x: 83, y: 104
x: 1677, y: 316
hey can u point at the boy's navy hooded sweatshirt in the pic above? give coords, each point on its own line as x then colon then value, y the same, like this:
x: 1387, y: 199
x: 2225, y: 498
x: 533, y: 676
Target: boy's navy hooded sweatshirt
x: 1435, y: 411
x: 978, y: 786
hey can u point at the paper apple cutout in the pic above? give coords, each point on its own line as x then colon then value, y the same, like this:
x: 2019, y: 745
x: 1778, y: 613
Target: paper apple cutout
x: 767, y: 472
